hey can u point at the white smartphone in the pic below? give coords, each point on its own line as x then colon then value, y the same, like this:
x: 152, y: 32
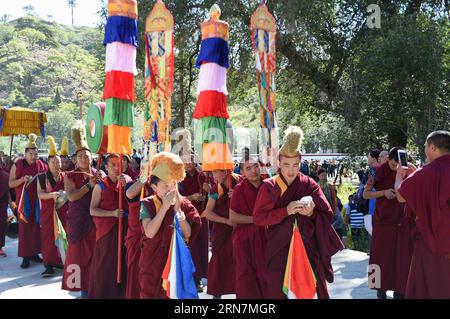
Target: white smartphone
x: 306, y: 200
x: 403, y: 158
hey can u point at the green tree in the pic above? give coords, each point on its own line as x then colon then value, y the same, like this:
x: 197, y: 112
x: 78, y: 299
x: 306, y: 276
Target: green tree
x: 29, y: 10
x: 53, y: 62
x: 32, y: 36
x: 6, y: 33
x: 57, y: 99
x: 351, y: 88
x: 49, y: 30
x: 399, y: 76
x: 43, y: 104
x: 5, y: 18
x: 15, y: 71
x: 59, y: 123
x: 16, y: 49
x: 16, y: 97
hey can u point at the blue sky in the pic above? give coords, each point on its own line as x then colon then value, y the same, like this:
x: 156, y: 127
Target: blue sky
x: 85, y: 12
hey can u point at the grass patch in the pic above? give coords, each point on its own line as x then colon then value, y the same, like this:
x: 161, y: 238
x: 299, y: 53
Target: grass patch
x: 344, y: 190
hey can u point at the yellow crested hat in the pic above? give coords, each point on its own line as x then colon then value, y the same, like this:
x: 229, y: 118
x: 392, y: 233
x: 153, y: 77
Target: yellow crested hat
x: 31, y: 141
x: 79, y: 137
x: 292, y: 142
x: 64, y: 147
x: 167, y: 167
x: 52, y: 150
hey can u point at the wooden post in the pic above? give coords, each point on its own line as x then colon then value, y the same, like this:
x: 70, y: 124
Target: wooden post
x: 10, y: 147
x: 119, y: 237
x: 99, y: 162
x: 80, y: 102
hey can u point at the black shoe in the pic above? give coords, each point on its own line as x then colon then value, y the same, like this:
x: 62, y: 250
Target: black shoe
x: 83, y: 295
x: 58, y: 266
x: 37, y: 259
x: 200, y: 286
x: 49, y: 272
x: 398, y: 295
x: 381, y: 294
x: 25, y: 263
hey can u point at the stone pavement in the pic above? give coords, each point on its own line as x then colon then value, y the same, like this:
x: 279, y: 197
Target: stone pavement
x: 15, y: 283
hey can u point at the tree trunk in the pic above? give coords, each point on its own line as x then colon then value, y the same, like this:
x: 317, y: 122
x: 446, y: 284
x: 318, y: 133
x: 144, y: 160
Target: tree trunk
x: 182, y: 99
x: 398, y: 136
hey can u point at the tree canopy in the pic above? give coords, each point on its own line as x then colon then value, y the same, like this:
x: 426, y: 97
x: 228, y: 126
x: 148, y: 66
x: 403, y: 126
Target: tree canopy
x: 350, y: 87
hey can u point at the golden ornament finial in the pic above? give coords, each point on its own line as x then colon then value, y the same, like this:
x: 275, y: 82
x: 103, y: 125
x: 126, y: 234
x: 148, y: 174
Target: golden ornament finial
x: 215, y: 12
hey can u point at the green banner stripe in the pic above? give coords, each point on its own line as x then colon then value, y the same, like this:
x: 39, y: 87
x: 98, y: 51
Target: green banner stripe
x: 119, y: 112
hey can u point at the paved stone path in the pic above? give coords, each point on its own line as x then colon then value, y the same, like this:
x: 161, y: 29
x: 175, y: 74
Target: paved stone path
x: 15, y: 283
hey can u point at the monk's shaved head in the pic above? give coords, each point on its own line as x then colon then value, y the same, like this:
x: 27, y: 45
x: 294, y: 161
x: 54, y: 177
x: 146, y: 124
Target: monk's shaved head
x: 383, y: 154
x: 383, y: 157
x: 440, y: 139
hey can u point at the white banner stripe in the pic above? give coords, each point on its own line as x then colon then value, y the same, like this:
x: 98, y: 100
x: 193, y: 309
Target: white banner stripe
x: 212, y: 77
x: 120, y: 57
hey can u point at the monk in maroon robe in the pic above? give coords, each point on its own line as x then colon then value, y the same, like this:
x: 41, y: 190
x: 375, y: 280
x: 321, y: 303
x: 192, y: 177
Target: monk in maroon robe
x: 221, y: 272
x: 106, y: 213
x: 49, y: 187
x: 155, y: 249
x: 427, y: 195
x: 392, y: 237
x: 195, y: 187
x: 249, y: 240
x: 277, y: 207
x: 22, y: 173
x: 4, y: 200
x: 78, y: 185
x: 157, y: 218
x: 66, y: 164
x: 133, y: 240
x: 127, y: 169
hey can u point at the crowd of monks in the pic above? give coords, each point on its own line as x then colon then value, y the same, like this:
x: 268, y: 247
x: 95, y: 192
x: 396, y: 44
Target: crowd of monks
x: 247, y: 219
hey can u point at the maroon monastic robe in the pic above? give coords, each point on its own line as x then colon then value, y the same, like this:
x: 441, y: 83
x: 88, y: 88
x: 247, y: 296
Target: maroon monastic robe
x: 4, y: 192
x: 200, y: 246
x: 132, y: 173
x: 80, y: 235
x: 49, y: 249
x: 155, y: 250
x: 70, y: 167
x: 320, y: 239
x: 221, y: 268
x: 133, y: 243
x: 29, y: 232
x: 427, y: 195
x: 249, y: 244
x: 103, y: 278
x: 392, y: 237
